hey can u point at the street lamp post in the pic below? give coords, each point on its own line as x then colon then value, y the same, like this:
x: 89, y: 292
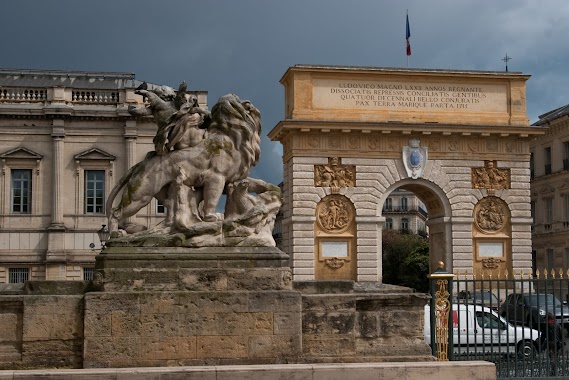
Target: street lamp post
x: 104, y: 235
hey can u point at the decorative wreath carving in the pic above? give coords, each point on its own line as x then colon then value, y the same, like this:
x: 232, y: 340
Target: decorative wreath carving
x: 334, y: 263
x: 491, y: 263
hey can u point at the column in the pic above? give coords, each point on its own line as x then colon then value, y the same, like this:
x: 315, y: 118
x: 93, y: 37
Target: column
x: 58, y: 135
x: 56, y: 258
x: 130, y: 136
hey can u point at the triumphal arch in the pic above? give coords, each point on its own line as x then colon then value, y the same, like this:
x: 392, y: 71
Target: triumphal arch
x: 457, y: 139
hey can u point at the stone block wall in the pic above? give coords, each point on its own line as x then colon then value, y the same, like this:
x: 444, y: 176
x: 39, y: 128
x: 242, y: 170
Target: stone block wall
x: 363, y: 327
x: 41, y: 331
x: 130, y: 329
x: 449, y: 181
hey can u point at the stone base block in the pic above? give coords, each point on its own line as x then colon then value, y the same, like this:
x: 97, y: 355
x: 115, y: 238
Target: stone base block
x: 130, y: 329
x: 194, y: 269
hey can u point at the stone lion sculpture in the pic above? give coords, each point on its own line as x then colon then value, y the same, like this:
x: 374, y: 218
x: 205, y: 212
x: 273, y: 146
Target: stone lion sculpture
x: 193, y: 179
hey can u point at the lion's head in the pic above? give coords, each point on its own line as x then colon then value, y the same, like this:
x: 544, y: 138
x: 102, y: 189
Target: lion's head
x: 241, y: 121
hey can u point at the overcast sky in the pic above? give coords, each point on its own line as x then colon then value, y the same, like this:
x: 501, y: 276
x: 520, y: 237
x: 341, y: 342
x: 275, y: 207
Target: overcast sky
x: 245, y: 46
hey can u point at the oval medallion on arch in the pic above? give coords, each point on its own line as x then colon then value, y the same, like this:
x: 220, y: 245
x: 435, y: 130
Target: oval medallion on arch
x: 334, y: 214
x: 490, y: 215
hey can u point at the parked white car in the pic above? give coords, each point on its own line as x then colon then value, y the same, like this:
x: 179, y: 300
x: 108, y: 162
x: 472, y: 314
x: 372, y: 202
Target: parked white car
x: 480, y: 330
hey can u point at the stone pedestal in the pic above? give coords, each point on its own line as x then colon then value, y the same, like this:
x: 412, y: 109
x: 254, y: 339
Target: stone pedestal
x: 177, y: 306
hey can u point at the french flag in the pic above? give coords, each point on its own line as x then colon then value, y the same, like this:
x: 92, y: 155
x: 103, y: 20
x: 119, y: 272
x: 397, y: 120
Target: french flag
x: 407, y: 36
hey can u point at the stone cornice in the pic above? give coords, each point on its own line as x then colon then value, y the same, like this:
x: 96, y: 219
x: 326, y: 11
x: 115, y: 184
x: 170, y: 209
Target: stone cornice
x: 384, y: 128
x: 405, y: 71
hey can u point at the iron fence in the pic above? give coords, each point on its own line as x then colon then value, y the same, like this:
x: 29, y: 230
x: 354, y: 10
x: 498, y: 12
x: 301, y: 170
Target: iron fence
x: 519, y: 322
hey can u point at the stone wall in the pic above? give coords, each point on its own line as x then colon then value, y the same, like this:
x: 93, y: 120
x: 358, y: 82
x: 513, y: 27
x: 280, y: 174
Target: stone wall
x: 156, y: 310
x: 447, y: 183
x: 41, y: 331
x: 191, y: 328
x: 341, y: 323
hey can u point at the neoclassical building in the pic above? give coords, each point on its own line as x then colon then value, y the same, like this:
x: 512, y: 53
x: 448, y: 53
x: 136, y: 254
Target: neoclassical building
x: 66, y: 137
x: 549, y: 166
x: 405, y: 212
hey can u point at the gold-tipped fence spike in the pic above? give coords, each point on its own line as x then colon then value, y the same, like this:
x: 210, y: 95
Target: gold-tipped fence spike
x: 553, y: 273
x: 560, y: 273
x: 537, y: 274
x: 545, y: 274
x: 505, y: 274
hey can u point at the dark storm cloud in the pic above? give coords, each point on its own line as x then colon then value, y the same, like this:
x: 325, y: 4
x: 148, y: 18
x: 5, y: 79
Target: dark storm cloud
x: 245, y: 46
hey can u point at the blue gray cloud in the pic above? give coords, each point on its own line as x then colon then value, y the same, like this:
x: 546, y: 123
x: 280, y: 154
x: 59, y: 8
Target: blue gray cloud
x: 245, y: 46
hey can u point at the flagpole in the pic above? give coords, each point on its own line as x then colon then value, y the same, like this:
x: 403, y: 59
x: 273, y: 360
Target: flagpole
x: 407, y: 36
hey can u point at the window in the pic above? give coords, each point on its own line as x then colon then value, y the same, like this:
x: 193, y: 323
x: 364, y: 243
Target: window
x: 403, y: 204
x: 388, y: 224
x: 388, y: 204
x: 18, y: 275
x: 548, y: 212
x: 566, y: 155
x: 87, y: 274
x: 160, y: 209
x: 547, y: 160
x: 21, y: 191
x: 405, y: 224
x: 531, y: 165
x: 566, y: 209
x: 94, y: 191
x: 550, y: 258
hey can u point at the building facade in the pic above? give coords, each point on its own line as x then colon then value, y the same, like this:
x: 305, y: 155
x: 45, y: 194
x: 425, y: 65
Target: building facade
x: 66, y: 138
x: 549, y: 167
x: 405, y: 212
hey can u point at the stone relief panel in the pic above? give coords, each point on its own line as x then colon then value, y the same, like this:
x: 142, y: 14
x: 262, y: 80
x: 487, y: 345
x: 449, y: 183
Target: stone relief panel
x: 334, y: 215
x: 334, y: 174
x: 490, y: 177
x: 490, y: 215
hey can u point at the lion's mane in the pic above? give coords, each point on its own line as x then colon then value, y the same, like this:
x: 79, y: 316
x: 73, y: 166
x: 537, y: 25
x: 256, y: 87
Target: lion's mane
x: 226, y: 155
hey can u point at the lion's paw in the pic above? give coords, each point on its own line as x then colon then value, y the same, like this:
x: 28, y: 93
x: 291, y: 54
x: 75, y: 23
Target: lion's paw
x: 216, y: 217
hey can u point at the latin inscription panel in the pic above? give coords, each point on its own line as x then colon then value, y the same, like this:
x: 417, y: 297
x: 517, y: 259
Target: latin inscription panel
x: 409, y: 96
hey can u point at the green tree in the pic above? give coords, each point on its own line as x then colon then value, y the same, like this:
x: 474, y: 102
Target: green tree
x: 405, y: 260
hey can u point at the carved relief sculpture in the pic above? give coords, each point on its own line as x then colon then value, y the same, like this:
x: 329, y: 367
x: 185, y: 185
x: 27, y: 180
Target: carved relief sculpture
x: 198, y: 156
x: 334, y: 174
x: 490, y: 215
x: 490, y: 177
x: 334, y: 215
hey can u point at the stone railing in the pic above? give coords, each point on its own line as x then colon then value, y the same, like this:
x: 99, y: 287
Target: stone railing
x: 95, y: 97
x: 74, y: 96
x: 12, y: 95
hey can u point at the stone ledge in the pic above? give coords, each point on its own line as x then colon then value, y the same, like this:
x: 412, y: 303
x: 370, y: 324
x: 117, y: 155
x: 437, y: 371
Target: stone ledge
x: 474, y: 370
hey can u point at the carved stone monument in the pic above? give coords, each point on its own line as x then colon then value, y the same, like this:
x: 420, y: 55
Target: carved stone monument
x: 198, y: 156
x: 201, y: 287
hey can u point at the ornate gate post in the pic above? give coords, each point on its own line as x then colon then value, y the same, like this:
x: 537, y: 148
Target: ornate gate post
x: 441, y: 309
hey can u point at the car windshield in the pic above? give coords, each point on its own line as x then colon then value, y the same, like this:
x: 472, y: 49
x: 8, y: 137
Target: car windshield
x: 548, y: 300
x: 485, y: 296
